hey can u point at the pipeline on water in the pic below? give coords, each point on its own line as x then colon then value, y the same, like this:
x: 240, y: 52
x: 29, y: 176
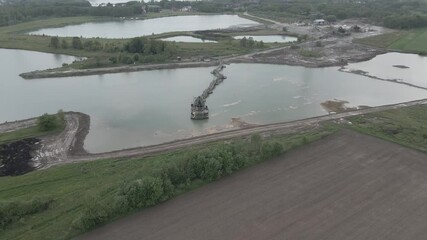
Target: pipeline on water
x: 199, y: 110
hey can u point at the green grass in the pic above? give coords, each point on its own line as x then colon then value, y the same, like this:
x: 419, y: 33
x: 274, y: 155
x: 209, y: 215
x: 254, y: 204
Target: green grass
x: 30, y: 132
x: 72, y: 186
x: 405, y: 126
x: 414, y: 41
x: 27, y: 133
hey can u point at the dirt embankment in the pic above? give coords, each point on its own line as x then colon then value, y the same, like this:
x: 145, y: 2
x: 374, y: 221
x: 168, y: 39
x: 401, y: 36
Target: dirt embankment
x: 17, y: 125
x: 22, y: 156
x: 53, y: 73
x: 339, y: 106
x: 366, y: 74
x: 58, y: 148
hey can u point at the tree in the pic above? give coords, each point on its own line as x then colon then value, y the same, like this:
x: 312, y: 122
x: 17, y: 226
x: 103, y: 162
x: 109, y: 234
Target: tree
x: 243, y: 42
x: 77, y: 43
x: 64, y: 44
x: 54, y: 42
x: 135, y: 45
x: 47, y: 122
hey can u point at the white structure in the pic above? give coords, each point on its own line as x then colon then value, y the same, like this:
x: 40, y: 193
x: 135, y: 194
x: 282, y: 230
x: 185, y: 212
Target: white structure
x: 319, y: 22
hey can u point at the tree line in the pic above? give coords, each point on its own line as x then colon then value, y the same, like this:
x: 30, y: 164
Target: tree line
x: 21, y: 11
x: 150, y: 189
x: 138, y: 49
x: 390, y: 13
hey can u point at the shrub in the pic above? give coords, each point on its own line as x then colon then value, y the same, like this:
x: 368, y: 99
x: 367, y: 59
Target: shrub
x: 271, y: 149
x: 47, y: 122
x: 15, y: 210
x: 143, y: 192
x: 94, y: 213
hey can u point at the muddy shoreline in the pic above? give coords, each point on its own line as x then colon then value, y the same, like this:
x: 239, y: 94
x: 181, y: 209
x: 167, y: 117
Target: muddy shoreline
x: 52, y: 73
x: 335, y: 52
x: 366, y: 74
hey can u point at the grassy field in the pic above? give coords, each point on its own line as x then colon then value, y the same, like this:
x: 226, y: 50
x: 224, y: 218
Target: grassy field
x: 27, y: 133
x: 35, y: 131
x: 414, y: 41
x: 72, y: 188
x: 405, y: 126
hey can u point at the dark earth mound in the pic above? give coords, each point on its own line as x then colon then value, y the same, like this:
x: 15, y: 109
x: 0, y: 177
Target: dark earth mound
x: 15, y: 157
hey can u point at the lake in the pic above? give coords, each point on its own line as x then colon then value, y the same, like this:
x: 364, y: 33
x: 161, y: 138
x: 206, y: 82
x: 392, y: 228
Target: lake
x: 144, y: 108
x: 187, y: 39
x: 97, y: 2
x: 270, y: 38
x: 413, y: 68
x: 135, y: 28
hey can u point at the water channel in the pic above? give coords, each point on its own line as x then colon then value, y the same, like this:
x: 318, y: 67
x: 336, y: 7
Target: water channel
x: 270, y: 38
x: 143, y: 108
x: 187, y: 39
x: 135, y: 28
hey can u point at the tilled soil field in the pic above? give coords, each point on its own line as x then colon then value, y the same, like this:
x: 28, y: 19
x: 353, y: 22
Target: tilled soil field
x: 346, y: 186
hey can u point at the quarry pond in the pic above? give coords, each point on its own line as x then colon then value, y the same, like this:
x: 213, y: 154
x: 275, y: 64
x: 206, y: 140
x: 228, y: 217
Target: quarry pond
x: 150, y: 107
x: 136, y: 28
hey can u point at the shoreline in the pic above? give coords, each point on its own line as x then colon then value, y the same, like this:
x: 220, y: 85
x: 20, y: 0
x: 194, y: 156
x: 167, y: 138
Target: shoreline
x: 68, y: 146
x: 248, y: 58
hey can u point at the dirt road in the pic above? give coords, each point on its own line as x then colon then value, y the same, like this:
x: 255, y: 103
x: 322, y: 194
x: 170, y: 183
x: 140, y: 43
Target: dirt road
x: 56, y: 149
x: 346, y: 186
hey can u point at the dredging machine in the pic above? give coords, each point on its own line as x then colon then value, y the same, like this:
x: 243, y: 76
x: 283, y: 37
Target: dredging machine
x: 199, y: 110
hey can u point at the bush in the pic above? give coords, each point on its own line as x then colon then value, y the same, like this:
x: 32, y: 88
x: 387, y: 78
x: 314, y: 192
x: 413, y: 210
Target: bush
x: 15, y: 210
x: 94, y: 213
x: 47, y: 122
x: 271, y: 149
x: 143, y: 192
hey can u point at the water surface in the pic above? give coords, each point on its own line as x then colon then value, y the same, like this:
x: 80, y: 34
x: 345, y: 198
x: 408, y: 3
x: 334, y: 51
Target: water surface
x: 144, y: 108
x: 385, y: 66
x: 188, y: 39
x: 135, y: 28
x: 270, y: 38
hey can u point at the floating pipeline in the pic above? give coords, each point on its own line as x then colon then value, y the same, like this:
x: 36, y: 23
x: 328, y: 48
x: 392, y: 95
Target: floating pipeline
x: 199, y: 110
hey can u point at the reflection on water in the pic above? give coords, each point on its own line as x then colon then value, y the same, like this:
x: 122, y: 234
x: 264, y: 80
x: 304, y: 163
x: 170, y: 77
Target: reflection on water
x: 143, y: 108
x: 135, y: 28
x: 270, y: 38
x: 188, y: 39
x: 410, y: 68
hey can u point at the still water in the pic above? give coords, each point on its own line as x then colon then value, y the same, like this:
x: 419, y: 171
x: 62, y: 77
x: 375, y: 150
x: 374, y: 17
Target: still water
x: 270, y: 38
x: 143, y: 108
x: 187, y: 39
x: 97, y: 2
x: 413, y: 68
x: 135, y: 28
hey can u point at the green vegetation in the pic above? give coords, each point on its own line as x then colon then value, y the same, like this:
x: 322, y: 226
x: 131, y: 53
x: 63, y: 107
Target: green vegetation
x: 391, y: 13
x: 414, y: 41
x: 14, y: 12
x: 310, y: 53
x: 87, y: 194
x: 405, y: 126
x: 47, y: 124
x: 13, y: 211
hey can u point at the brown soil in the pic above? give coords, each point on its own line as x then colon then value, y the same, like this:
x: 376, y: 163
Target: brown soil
x: 346, y: 186
x: 339, y: 106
